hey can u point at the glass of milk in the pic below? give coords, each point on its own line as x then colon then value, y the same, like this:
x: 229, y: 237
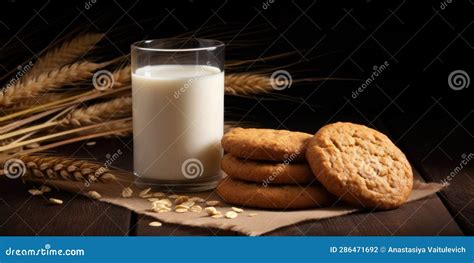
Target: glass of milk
x: 178, y: 112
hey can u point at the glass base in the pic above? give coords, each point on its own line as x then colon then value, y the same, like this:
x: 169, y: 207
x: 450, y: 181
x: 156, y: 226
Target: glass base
x: 179, y: 186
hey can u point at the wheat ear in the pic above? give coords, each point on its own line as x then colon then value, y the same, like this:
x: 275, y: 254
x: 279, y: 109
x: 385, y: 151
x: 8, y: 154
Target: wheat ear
x: 66, y: 53
x: 46, y: 81
x: 61, y: 168
x: 122, y: 76
x: 98, y: 113
x: 247, y: 84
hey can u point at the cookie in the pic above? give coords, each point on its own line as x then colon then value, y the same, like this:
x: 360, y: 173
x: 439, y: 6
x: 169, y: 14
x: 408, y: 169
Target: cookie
x: 360, y: 165
x: 281, y: 197
x: 266, y: 172
x: 266, y: 144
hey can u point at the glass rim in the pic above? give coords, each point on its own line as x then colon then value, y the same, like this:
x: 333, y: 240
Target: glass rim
x: 215, y: 45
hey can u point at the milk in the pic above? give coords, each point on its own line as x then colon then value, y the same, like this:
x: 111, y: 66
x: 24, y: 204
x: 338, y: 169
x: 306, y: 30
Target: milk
x: 178, y: 121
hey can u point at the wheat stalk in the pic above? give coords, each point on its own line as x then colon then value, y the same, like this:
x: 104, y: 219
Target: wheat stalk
x: 57, y: 78
x: 116, y: 129
x: 98, y: 113
x: 247, y: 84
x: 65, y: 54
x: 61, y: 168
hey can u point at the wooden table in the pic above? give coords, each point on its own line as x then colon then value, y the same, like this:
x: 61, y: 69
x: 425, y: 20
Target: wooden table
x: 434, y: 155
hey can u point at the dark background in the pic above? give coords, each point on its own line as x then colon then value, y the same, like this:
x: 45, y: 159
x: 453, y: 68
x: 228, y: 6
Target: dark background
x: 422, y: 43
x: 411, y: 101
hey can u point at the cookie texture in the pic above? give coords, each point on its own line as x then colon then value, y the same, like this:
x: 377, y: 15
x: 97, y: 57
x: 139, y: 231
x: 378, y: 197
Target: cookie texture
x: 266, y: 144
x: 267, y: 172
x: 281, y: 197
x: 360, y: 165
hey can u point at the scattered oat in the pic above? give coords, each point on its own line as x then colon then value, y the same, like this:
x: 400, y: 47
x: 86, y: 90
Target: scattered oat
x: 238, y: 210
x: 45, y: 189
x: 127, y: 192
x: 159, y: 194
x: 155, y: 224
x: 153, y: 199
x: 231, y: 214
x: 165, y: 202
x: 210, y: 210
x: 252, y: 214
x: 94, y: 195
x: 217, y: 215
x: 55, y: 201
x: 181, y: 210
x: 160, y: 208
x: 197, y: 199
x: 173, y: 196
x: 187, y: 204
x: 213, y: 203
x: 196, y: 209
x: 35, y: 192
x: 90, y: 143
x: 144, y: 193
x: 181, y: 199
x: 147, y: 196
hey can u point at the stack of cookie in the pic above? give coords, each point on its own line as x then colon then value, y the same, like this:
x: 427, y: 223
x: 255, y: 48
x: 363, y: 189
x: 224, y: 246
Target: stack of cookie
x: 267, y: 169
x: 277, y: 168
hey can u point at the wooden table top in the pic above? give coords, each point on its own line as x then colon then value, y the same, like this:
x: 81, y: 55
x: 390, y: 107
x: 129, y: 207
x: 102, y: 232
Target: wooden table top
x: 434, y: 155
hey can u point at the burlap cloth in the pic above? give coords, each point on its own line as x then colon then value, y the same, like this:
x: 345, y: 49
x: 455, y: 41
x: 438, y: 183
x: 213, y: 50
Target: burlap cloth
x: 264, y: 222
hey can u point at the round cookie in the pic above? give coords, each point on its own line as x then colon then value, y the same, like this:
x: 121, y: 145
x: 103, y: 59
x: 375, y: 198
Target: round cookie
x: 360, y: 165
x: 266, y: 144
x: 267, y: 172
x: 281, y: 197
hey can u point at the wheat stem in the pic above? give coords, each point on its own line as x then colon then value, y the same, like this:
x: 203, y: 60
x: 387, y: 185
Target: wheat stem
x: 72, y: 140
x: 83, y: 97
x: 49, y: 136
